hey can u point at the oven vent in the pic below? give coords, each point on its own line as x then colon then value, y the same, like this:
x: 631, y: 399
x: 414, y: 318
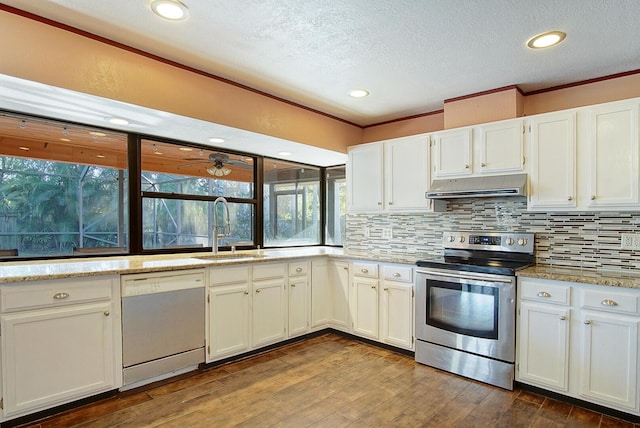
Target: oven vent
x: 478, y: 187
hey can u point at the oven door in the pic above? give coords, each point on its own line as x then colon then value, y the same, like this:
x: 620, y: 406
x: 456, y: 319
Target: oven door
x: 465, y: 311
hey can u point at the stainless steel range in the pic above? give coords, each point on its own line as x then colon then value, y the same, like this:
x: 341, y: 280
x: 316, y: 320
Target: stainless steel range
x: 465, y: 305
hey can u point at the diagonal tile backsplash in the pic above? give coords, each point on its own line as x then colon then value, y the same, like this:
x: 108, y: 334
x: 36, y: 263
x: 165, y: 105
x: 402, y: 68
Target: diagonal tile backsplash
x: 570, y: 239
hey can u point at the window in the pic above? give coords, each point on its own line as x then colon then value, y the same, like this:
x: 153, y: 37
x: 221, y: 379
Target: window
x: 291, y: 211
x: 63, y: 188
x: 335, y: 205
x: 179, y: 186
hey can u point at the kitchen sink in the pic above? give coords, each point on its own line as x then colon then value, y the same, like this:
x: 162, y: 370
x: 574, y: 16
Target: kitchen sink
x: 231, y: 256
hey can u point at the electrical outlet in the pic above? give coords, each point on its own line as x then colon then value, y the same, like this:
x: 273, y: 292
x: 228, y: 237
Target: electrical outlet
x: 630, y: 241
x: 387, y: 233
x: 367, y: 231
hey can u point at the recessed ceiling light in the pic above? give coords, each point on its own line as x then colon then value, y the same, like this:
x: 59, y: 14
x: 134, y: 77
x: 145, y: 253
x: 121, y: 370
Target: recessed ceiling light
x: 546, y: 40
x: 216, y: 140
x: 185, y: 149
x: 284, y: 153
x: 26, y: 149
x: 118, y: 121
x: 66, y: 140
x: 101, y: 156
x: 172, y: 10
x: 98, y: 134
x: 358, y: 93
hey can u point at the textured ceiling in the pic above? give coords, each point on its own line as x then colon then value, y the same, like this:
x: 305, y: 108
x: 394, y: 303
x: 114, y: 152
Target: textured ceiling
x: 411, y: 55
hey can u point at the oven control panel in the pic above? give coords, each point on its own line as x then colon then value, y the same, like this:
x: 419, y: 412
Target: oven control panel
x: 491, y: 241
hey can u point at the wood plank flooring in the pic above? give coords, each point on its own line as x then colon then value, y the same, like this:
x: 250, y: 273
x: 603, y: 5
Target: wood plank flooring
x: 327, y: 381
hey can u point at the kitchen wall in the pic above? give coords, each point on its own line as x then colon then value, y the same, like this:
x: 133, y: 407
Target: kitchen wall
x: 578, y: 239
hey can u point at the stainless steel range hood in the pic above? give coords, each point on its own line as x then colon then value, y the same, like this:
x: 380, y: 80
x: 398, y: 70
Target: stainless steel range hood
x: 478, y: 187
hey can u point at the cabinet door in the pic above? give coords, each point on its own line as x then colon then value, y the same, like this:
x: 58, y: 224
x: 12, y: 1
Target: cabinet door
x: 298, y: 305
x: 502, y: 147
x: 320, y: 294
x: 452, y: 153
x: 269, y: 312
x: 609, y: 359
x: 339, y: 280
x: 614, y: 157
x: 365, y: 307
x: 543, y: 336
x: 396, y: 314
x: 365, y: 178
x: 228, y: 320
x: 56, y: 355
x: 552, y: 168
x: 407, y: 174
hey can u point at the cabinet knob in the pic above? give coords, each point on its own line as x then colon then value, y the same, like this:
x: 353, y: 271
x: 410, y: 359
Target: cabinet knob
x: 379, y: 203
x: 483, y: 164
x: 593, y: 197
x: 608, y: 302
x: 569, y: 198
x: 299, y: 269
x: 562, y: 318
x: 390, y: 203
x: 386, y: 289
x: 363, y: 270
x: 397, y: 275
x: 466, y: 166
x: 107, y: 313
x: 246, y: 293
x: 293, y: 285
x: 373, y: 287
x: 257, y: 290
x: 587, y: 322
x: 60, y: 296
x: 543, y: 294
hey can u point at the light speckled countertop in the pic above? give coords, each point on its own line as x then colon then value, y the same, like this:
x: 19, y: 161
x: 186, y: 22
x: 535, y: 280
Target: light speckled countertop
x: 67, y: 268
x: 623, y: 278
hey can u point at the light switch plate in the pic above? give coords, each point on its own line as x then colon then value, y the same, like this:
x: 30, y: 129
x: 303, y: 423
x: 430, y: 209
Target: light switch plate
x: 387, y: 233
x: 630, y: 241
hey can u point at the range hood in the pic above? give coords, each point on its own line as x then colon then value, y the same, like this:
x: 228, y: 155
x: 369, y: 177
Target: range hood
x: 478, y: 187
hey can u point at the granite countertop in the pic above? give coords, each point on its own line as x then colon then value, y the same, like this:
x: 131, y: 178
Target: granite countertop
x: 622, y: 278
x: 54, y: 269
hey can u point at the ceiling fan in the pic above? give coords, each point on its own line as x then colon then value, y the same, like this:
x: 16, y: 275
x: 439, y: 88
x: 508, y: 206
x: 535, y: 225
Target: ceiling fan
x: 218, y: 164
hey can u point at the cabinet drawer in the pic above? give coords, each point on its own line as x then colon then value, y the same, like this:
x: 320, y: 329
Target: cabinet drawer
x: 298, y: 269
x: 368, y: 270
x: 40, y: 294
x: 234, y: 275
x: 398, y: 273
x: 542, y: 291
x: 609, y: 300
x: 268, y: 271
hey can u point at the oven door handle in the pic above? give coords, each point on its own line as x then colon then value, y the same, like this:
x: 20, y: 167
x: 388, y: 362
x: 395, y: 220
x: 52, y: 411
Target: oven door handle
x: 470, y: 277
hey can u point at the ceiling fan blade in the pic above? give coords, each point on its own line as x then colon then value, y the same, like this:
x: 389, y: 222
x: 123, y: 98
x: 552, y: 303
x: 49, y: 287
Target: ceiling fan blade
x: 239, y: 164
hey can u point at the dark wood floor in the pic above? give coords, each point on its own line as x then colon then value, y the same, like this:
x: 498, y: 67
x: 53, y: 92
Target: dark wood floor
x: 328, y: 381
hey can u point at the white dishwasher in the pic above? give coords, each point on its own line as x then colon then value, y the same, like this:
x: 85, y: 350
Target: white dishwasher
x: 163, y: 324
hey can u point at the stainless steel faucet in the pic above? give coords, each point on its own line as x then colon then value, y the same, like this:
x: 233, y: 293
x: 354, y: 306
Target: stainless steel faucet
x: 227, y: 229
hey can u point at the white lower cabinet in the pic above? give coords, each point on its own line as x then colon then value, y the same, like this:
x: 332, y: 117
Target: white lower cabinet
x: 339, y: 284
x: 269, y: 321
x: 580, y: 340
x: 365, y: 307
x: 228, y: 313
x: 320, y: 294
x: 396, y: 306
x: 299, y: 298
x: 60, y: 342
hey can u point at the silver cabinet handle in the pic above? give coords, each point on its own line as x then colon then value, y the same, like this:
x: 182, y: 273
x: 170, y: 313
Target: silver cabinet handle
x: 299, y: 269
x: 544, y: 294
x: 593, y: 197
x: 386, y: 289
x: 379, y: 203
x: 107, y: 313
x: 608, y: 302
x: 246, y: 293
x: 293, y: 285
x: 60, y: 296
x: 466, y: 167
x: 345, y: 268
x: 390, y: 203
x: 483, y: 164
x: 562, y: 318
x: 363, y: 270
x: 587, y: 322
x: 569, y: 198
x: 258, y: 290
x: 397, y: 275
x: 373, y: 287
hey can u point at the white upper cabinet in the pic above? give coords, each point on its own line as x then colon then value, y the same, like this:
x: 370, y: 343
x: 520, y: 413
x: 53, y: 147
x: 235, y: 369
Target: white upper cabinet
x: 389, y: 175
x: 365, y: 178
x: 501, y: 147
x: 613, y: 156
x: 452, y: 153
x: 552, y: 169
x: 493, y: 148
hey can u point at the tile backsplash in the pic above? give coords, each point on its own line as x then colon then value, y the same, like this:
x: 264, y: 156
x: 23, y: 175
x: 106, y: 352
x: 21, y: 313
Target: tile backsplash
x: 568, y: 239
